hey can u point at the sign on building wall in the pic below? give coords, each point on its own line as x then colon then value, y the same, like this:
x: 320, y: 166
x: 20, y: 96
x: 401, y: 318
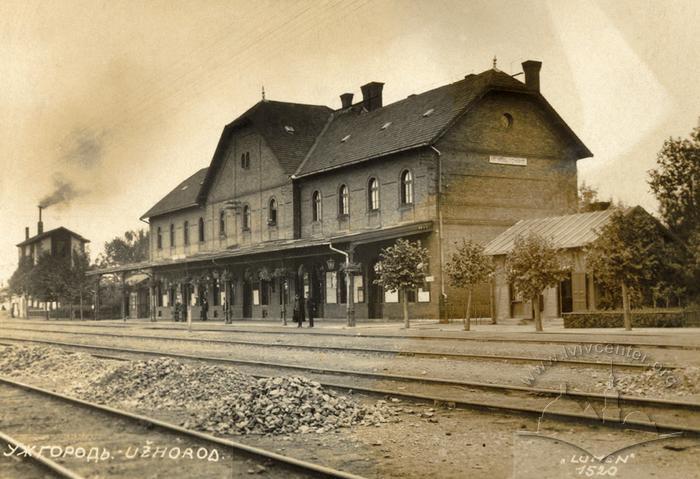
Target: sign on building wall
x: 508, y: 160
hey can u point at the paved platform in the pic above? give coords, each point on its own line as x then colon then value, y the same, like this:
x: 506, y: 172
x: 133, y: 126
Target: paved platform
x: 510, y: 330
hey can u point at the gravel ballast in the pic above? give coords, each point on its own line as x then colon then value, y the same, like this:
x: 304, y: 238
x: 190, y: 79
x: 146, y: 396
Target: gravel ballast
x: 218, y: 399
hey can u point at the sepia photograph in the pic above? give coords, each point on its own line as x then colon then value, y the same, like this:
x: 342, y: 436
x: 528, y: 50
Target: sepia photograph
x: 353, y: 239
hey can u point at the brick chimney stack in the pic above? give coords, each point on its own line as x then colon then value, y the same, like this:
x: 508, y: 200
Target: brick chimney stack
x: 532, y: 74
x: 372, y: 95
x: 346, y: 100
x: 26, y: 232
x: 40, y: 224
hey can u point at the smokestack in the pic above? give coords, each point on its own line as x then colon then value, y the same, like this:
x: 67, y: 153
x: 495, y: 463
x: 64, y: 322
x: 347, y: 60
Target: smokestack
x: 372, y: 95
x: 26, y: 232
x: 532, y: 74
x: 40, y: 224
x: 346, y: 100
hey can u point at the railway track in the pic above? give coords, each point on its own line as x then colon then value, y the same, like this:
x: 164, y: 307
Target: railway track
x: 74, y: 438
x: 542, y: 338
x: 610, y: 409
x: 346, y: 349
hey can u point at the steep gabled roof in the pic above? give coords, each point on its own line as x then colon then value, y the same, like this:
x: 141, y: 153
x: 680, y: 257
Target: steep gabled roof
x: 354, y: 135
x: 182, y: 196
x: 570, y: 231
x: 46, y: 234
x: 289, y: 129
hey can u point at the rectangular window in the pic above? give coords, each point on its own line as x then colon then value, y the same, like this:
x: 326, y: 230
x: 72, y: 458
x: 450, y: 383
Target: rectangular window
x: 391, y: 296
x: 359, y: 287
x: 331, y: 287
x: 411, y: 295
x: 256, y: 297
x: 424, y: 294
x: 342, y: 289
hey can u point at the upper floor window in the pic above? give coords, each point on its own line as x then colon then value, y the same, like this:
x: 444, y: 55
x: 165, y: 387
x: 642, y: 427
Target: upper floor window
x: 201, y: 229
x: 272, y: 212
x: 172, y: 235
x: 343, y: 206
x: 186, y: 232
x: 373, y: 194
x: 222, y: 223
x: 159, y: 238
x: 246, y: 218
x: 406, y: 187
x: 316, y: 206
x: 245, y: 160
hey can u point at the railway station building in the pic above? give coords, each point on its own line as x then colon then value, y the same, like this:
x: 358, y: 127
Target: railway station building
x: 300, y: 199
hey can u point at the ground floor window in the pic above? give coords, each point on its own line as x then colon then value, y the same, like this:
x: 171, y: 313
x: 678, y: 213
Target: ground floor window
x: 424, y: 294
x: 359, y: 288
x: 331, y: 287
x: 391, y: 296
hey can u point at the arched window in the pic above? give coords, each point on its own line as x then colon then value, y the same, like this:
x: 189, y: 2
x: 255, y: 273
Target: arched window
x: 172, y: 235
x: 406, y: 187
x: 373, y: 194
x: 246, y: 218
x: 343, y: 201
x: 186, y: 232
x: 316, y: 206
x: 222, y: 223
x: 201, y: 229
x: 159, y: 238
x: 272, y: 212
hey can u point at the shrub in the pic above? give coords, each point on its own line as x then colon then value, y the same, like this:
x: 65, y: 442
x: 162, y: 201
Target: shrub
x: 642, y: 319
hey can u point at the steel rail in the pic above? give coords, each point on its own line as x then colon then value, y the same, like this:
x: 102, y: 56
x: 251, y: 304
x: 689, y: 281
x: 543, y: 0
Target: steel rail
x: 316, y: 470
x: 394, y: 352
x: 44, y: 462
x: 417, y: 379
x: 317, y: 332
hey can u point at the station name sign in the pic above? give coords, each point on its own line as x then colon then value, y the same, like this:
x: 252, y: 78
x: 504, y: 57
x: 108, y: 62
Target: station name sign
x: 508, y: 160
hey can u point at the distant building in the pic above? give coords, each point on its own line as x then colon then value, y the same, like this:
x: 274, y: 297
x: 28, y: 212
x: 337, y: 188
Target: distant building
x: 289, y: 184
x: 59, y: 242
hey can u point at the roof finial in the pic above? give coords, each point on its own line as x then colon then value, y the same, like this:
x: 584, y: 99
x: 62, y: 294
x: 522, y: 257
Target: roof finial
x: 494, y: 63
x: 263, y: 92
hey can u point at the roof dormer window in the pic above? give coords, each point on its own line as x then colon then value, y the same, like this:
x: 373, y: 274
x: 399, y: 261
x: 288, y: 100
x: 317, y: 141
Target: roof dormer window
x: 386, y: 125
x: 289, y: 129
x: 345, y: 138
x: 428, y: 113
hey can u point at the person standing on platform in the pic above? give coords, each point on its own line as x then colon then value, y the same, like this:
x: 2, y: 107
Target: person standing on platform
x: 297, y: 310
x: 205, y: 308
x: 310, y: 310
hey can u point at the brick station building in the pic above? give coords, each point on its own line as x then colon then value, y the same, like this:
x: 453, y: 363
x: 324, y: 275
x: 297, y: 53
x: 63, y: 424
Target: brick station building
x: 302, y: 198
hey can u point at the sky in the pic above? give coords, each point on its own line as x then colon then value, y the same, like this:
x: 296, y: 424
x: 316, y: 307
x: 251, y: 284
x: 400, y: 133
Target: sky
x: 105, y: 106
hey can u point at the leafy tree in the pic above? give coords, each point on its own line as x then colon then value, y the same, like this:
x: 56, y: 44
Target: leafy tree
x: 402, y: 267
x: 468, y: 267
x: 78, y: 284
x: 20, y: 280
x: 49, y: 279
x: 131, y: 248
x: 676, y: 184
x: 630, y: 252
x: 532, y: 266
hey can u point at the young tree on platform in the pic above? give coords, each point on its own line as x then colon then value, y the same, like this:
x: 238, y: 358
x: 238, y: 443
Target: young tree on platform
x: 533, y: 266
x: 630, y: 251
x: 402, y: 267
x: 468, y: 267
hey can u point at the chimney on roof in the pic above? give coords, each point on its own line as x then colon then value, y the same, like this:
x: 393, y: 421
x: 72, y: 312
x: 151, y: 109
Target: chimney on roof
x: 40, y: 224
x: 346, y: 100
x: 26, y: 232
x: 372, y: 95
x: 532, y: 74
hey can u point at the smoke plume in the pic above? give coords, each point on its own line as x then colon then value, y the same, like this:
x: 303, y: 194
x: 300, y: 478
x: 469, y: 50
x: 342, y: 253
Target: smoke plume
x: 64, y: 192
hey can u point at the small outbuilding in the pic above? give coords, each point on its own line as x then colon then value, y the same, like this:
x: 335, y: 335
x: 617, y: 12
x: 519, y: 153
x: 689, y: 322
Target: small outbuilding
x: 570, y: 233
